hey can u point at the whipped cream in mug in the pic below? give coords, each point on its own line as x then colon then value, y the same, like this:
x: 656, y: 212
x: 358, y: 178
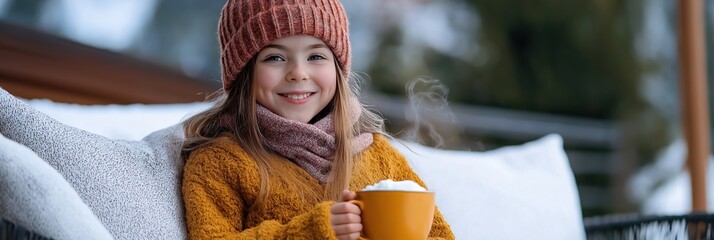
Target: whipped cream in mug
x: 390, y: 184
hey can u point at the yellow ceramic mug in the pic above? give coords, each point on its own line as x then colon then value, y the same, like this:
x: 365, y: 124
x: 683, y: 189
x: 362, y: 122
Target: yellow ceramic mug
x: 394, y: 214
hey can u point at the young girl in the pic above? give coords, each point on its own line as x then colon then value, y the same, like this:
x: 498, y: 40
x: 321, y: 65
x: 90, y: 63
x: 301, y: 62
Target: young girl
x: 287, y: 136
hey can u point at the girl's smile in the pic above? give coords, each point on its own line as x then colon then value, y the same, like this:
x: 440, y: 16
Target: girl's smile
x: 295, y: 77
x: 297, y: 97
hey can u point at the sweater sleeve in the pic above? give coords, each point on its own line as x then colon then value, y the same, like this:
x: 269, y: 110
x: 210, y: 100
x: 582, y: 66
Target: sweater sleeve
x: 215, y: 209
x: 439, y: 228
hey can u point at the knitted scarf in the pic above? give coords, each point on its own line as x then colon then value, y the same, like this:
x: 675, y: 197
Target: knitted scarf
x: 310, y: 146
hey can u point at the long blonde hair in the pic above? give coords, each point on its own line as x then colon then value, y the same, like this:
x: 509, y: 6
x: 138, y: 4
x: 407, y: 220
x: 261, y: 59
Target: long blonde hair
x: 235, y: 112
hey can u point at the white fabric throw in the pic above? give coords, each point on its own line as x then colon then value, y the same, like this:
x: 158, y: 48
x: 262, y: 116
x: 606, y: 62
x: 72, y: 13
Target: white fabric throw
x: 35, y: 194
x: 132, y: 187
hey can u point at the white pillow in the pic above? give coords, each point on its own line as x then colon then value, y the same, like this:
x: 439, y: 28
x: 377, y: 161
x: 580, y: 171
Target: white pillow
x: 516, y: 192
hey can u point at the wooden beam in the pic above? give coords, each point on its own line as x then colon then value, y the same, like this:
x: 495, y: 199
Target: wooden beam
x: 38, y: 65
x: 695, y: 110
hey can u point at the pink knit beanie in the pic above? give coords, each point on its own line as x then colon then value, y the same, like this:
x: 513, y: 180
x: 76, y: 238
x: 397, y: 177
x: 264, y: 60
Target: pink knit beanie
x: 246, y: 26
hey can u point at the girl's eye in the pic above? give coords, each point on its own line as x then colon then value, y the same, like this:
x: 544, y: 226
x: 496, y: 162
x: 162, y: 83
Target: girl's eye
x: 274, y: 58
x: 316, y: 57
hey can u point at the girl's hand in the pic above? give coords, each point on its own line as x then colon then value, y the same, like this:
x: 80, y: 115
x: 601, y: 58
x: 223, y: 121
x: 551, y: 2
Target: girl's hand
x: 345, y: 217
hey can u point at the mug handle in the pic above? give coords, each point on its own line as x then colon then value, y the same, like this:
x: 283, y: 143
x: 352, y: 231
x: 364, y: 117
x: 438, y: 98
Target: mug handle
x: 357, y: 202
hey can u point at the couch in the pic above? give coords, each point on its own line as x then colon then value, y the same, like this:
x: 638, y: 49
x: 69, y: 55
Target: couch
x: 113, y: 172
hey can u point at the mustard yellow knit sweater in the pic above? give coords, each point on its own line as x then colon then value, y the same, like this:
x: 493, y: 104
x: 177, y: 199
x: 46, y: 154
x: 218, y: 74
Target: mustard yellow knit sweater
x: 221, y: 180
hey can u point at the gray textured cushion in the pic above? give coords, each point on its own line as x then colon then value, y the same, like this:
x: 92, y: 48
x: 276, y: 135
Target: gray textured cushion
x: 131, y: 186
x: 32, y: 193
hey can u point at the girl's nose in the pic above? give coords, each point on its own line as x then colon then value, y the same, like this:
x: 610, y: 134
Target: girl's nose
x: 297, y: 72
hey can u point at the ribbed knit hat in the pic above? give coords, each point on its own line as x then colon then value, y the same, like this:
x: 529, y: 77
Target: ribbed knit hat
x: 246, y: 26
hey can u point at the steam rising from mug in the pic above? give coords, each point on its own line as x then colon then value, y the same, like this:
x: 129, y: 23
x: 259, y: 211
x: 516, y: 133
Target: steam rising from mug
x: 428, y: 108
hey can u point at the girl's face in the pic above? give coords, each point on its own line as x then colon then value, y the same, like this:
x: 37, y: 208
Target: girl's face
x: 295, y: 77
